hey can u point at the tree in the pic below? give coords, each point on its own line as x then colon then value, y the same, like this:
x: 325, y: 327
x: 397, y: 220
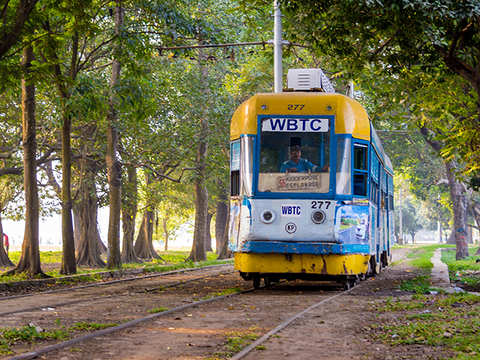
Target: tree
x: 398, y: 35
x: 129, y: 213
x: 144, y: 243
x: 114, y: 169
x: 404, y: 41
x: 30, y: 257
x: 7, y: 195
x: 411, y: 220
x: 13, y: 21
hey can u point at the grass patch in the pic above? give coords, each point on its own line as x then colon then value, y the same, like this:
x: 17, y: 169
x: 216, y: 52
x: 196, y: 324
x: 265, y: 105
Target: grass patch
x: 448, y: 321
x: 222, y: 293
x: 420, y: 256
x: 84, y: 326
x: 27, y: 334
x: 32, y: 334
x: 157, y: 310
x: 466, y: 272
x: 419, y: 285
x: 236, y: 341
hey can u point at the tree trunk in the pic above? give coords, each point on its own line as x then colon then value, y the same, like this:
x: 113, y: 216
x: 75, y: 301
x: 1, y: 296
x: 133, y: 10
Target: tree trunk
x: 76, y: 225
x: 201, y: 194
x: 165, y: 232
x: 459, y: 204
x: 114, y: 170
x: 144, y: 245
x: 208, y: 235
x: 88, y: 253
x: 220, y: 221
x: 30, y: 257
x: 224, y: 252
x: 451, y: 238
x: 457, y: 197
x: 68, y: 245
x: 77, y: 230
x: 129, y: 214
x: 4, y: 259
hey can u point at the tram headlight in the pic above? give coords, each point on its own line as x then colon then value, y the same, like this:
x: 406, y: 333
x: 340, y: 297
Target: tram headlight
x: 267, y: 216
x: 318, y: 216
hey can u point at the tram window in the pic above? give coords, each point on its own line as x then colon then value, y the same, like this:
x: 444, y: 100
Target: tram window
x: 360, y: 184
x: 344, y: 166
x: 360, y: 157
x: 292, y: 161
x: 235, y: 183
x: 391, y: 207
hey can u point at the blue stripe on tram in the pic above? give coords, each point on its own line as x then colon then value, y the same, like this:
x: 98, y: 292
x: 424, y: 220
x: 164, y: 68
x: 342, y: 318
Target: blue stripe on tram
x: 282, y: 247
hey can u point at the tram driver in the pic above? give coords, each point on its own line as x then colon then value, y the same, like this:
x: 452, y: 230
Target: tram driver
x: 298, y: 164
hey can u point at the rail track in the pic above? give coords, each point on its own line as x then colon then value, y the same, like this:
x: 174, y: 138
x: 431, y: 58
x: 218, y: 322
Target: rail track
x: 111, y: 282
x: 247, y: 295
x: 56, y: 305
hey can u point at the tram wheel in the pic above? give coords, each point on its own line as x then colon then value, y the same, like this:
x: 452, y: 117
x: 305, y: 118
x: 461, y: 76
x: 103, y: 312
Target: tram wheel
x: 256, y: 282
x: 268, y: 282
x: 349, y: 283
x: 374, y: 268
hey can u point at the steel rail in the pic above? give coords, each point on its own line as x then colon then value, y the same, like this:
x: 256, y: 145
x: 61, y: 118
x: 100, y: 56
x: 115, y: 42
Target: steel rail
x: 283, y: 325
x: 111, y: 282
x: 73, y: 302
x: 68, y: 343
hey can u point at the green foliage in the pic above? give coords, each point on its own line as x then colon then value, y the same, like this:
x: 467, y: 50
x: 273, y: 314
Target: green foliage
x: 418, y: 55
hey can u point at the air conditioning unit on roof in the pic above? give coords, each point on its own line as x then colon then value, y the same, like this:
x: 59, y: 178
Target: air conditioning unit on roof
x: 308, y: 80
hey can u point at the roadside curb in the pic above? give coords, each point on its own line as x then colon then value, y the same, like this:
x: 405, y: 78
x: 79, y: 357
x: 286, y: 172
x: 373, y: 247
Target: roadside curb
x: 440, y: 277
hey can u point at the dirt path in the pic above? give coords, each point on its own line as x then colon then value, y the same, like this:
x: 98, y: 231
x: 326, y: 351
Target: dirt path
x: 338, y: 329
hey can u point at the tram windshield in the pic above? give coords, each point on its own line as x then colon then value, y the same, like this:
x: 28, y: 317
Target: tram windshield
x: 293, y: 160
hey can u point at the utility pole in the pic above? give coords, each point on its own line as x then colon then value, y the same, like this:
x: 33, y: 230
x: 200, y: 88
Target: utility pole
x: 277, y: 48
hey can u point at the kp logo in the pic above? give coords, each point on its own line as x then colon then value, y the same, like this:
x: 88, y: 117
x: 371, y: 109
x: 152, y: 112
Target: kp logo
x: 290, y: 228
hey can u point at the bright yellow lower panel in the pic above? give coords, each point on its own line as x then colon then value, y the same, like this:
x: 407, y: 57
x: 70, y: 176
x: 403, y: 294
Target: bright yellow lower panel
x: 350, y: 264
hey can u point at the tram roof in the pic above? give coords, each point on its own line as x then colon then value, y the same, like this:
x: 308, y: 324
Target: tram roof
x: 350, y: 116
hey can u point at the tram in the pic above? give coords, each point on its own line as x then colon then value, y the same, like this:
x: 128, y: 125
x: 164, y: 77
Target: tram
x: 311, y: 186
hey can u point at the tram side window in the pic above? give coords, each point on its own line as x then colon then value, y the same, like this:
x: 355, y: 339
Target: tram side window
x: 360, y: 170
x: 235, y: 168
x: 235, y: 183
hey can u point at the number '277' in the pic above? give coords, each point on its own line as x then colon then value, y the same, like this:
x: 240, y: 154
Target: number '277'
x: 320, y: 204
x: 295, y: 106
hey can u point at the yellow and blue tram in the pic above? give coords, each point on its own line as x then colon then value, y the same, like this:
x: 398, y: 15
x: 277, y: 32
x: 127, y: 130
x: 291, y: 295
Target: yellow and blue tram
x: 311, y: 189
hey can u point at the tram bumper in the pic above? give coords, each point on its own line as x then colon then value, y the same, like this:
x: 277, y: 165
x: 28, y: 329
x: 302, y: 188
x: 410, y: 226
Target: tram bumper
x: 305, y: 264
